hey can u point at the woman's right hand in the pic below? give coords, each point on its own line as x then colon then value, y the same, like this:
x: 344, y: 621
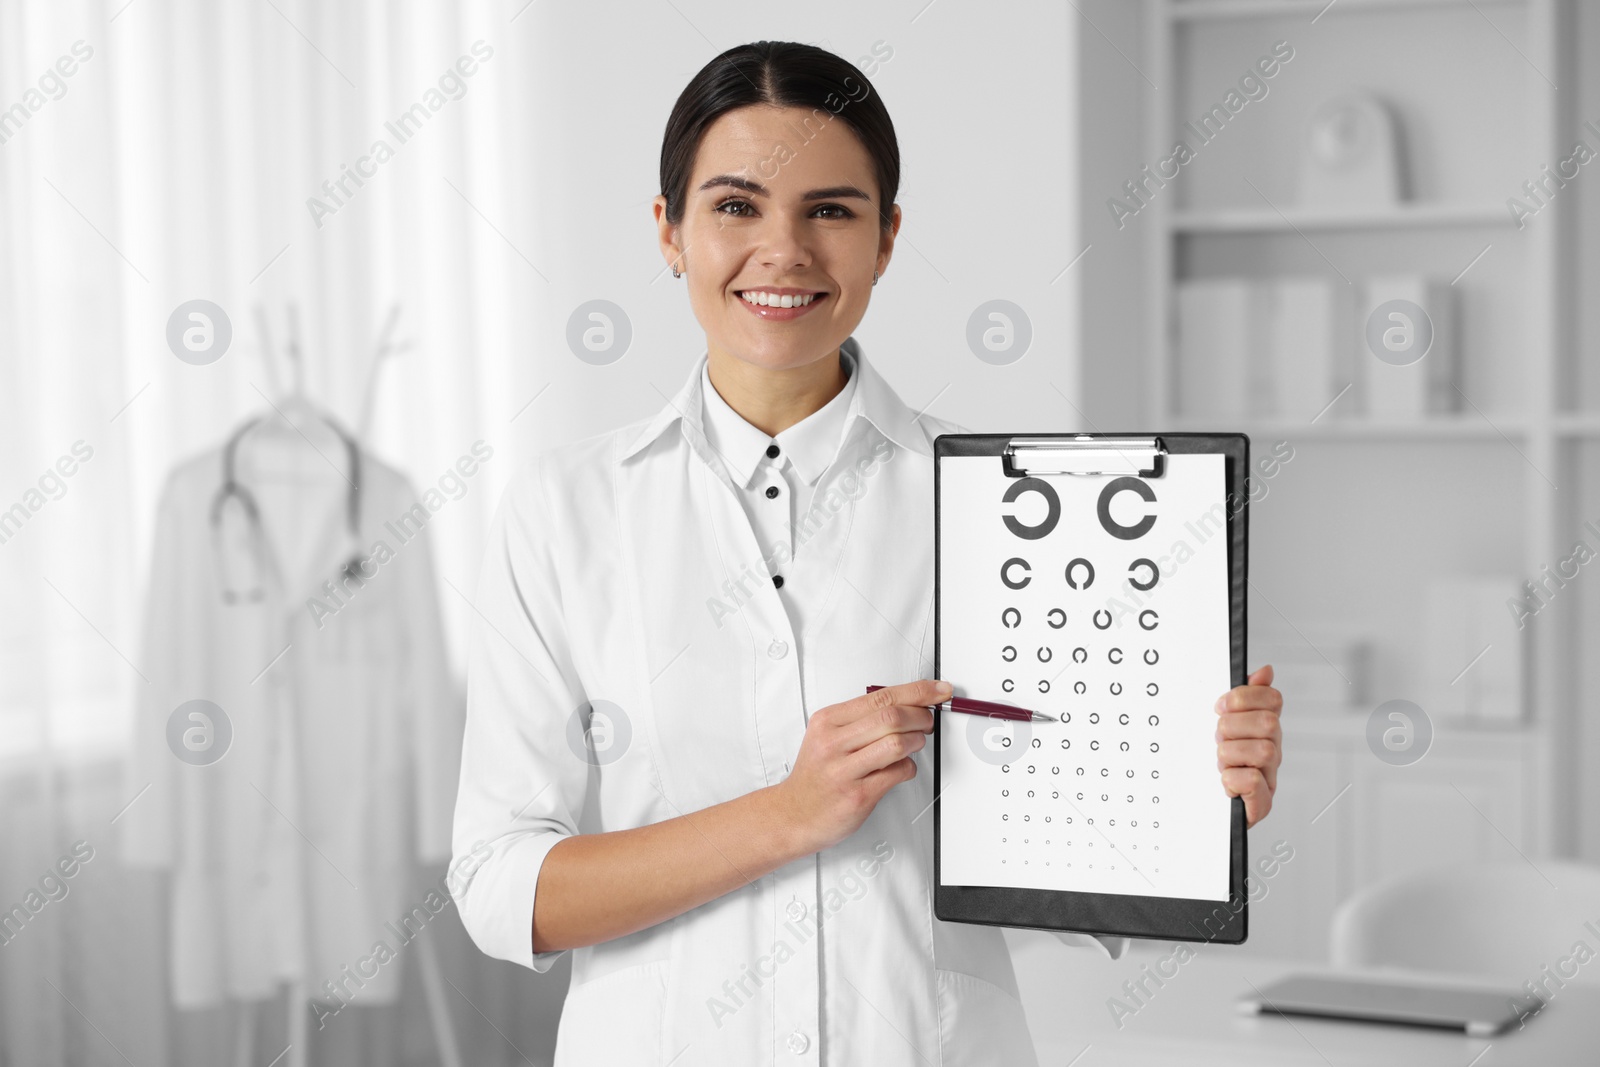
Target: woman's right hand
x: 852, y: 754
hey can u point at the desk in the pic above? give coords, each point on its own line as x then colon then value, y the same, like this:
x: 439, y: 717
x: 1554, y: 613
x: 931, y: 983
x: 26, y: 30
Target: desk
x: 1191, y: 1019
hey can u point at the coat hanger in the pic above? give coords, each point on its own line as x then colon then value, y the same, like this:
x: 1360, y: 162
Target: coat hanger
x: 294, y: 430
x: 382, y: 350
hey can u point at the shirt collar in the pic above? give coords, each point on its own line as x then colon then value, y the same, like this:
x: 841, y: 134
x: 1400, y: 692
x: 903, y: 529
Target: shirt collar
x: 810, y: 444
x: 870, y: 398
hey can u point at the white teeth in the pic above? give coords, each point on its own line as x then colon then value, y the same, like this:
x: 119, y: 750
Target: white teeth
x: 763, y: 299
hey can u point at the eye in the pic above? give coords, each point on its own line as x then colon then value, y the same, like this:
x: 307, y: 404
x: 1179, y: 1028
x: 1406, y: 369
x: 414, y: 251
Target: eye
x: 735, y: 204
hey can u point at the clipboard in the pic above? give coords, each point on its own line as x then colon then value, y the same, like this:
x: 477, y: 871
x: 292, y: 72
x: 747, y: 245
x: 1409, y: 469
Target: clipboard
x: 1023, y: 525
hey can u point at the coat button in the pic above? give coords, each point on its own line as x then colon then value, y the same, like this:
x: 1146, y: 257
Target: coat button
x: 772, y: 492
x: 772, y: 451
x: 778, y: 649
x: 796, y: 910
x: 777, y: 581
x: 798, y: 1042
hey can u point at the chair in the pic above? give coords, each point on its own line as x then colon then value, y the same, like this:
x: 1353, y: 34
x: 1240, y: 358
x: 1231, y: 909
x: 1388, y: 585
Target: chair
x: 1504, y: 921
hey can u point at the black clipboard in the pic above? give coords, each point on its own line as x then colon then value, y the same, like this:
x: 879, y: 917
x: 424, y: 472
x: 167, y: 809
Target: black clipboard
x: 1105, y: 914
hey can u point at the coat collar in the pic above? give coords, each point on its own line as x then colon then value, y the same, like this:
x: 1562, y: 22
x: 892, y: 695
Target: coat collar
x: 874, y: 401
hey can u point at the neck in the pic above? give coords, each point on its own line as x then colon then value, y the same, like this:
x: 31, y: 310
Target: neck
x: 774, y: 399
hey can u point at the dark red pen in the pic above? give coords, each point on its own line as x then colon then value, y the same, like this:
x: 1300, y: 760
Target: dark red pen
x: 993, y: 710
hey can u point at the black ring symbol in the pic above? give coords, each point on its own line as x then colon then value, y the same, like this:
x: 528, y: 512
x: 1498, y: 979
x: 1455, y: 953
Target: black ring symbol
x: 1154, y: 747
x: 1080, y: 654
x: 1088, y: 581
x: 1151, y: 655
x: 1094, y: 717
x: 1107, y: 624
x: 1155, y: 774
x: 1094, y: 746
x: 1065, y: 743
x: 1116, y: 689
x: 1066, y: 716
x: 1079, y: 688
x: 1046, y: 653
x: 1010, y: 613
x: 1044, y: 685
x: 1115, y: 655
x: 1044, y: 489
x: 1012, y: 649
x: 1006, y: 578
x: 1153, y: 625
x: 1152, y: 689
x: 1051, y: 614
x: 1123, y: 718
x: 1008, y: 685
x: 1155, y: 574
x: 1115, y: 529
x: 1155, y: 720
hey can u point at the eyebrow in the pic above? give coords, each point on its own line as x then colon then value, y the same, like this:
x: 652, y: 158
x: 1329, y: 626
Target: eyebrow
x: 832, y: 192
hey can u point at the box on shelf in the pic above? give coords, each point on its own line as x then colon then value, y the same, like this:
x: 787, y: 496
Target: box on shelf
x: 1406, y: 390
x: 1473, y: 652
x: 1213, y: 351
x: 1323, y: 667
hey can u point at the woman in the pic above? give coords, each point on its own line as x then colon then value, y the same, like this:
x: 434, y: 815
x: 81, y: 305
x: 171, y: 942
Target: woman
x: 669, y: 762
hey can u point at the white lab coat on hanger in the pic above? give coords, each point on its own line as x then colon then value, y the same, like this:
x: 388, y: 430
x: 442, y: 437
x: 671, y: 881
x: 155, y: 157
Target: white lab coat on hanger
x: 616, y: 580
x: 292, y: 857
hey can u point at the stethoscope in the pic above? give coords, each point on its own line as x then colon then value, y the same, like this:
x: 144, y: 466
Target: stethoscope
x: 231, y: 489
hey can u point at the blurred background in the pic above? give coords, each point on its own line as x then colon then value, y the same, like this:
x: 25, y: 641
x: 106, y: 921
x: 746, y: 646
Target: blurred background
x: 414, y: 240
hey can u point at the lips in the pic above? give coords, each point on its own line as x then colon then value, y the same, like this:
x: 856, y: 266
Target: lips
x: 781, y: 314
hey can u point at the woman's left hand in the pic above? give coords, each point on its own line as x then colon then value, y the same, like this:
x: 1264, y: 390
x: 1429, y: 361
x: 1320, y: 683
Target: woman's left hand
x: 1249, y: 742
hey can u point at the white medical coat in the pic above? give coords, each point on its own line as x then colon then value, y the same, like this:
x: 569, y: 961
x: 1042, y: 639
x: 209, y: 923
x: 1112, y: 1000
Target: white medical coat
x: 611, y: 599
x: 295, y: 854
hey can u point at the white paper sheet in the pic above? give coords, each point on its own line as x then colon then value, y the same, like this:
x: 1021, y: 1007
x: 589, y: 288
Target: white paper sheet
x: 1017, y: 808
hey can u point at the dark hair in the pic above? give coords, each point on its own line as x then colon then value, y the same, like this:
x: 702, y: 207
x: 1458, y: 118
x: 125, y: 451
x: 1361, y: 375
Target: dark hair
x: 778, y: 74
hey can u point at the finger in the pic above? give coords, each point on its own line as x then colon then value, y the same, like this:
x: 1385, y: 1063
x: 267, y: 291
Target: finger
x: 1249, y: 783
x: 883, y: 752
x: 878, y: 713
x: 1262, y: 676
x: 1238, y: 725
x: 1248, y: 697
x: 1255, y: 752
x: 922, y: 693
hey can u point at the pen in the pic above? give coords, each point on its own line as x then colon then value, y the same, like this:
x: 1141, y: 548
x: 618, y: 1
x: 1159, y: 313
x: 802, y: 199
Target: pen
x: 986, y: 707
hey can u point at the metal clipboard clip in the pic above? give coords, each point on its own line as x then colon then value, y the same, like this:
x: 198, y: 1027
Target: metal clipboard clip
x: 1143, y: 457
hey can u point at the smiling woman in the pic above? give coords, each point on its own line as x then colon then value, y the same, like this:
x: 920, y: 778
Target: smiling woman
x: 665, y: 791
x: 779, y: 170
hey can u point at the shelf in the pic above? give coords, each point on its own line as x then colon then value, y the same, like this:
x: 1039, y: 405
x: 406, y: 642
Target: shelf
x: 1436, y: 428
x: 1290, y: 218
x: 1577, y: 425
x: 1198, y: 10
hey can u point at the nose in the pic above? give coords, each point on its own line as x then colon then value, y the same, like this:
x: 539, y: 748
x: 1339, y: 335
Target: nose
x: 782, y: 244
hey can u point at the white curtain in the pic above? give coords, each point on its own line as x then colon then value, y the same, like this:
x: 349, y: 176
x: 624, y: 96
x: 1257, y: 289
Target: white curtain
x: 155, y: 152
x: 175, y: 162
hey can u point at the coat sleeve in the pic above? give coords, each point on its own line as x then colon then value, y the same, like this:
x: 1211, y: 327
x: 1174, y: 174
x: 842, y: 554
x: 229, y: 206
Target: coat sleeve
x: 433, y: 704
x: 523, y: 781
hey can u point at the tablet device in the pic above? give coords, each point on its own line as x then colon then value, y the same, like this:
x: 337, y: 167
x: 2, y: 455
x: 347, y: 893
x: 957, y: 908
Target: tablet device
x: 1478, y: 1011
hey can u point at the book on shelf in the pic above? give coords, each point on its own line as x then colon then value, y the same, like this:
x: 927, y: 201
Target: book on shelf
x: 1473, y: 651
x: 1286, y: 347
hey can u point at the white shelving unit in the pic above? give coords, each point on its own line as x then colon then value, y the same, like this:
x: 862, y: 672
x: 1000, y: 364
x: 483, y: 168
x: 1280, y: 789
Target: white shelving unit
x: 1360, y: 819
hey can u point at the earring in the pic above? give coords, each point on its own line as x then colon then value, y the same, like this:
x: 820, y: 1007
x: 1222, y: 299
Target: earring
x: 676, y: 273
x: 874, y: 277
